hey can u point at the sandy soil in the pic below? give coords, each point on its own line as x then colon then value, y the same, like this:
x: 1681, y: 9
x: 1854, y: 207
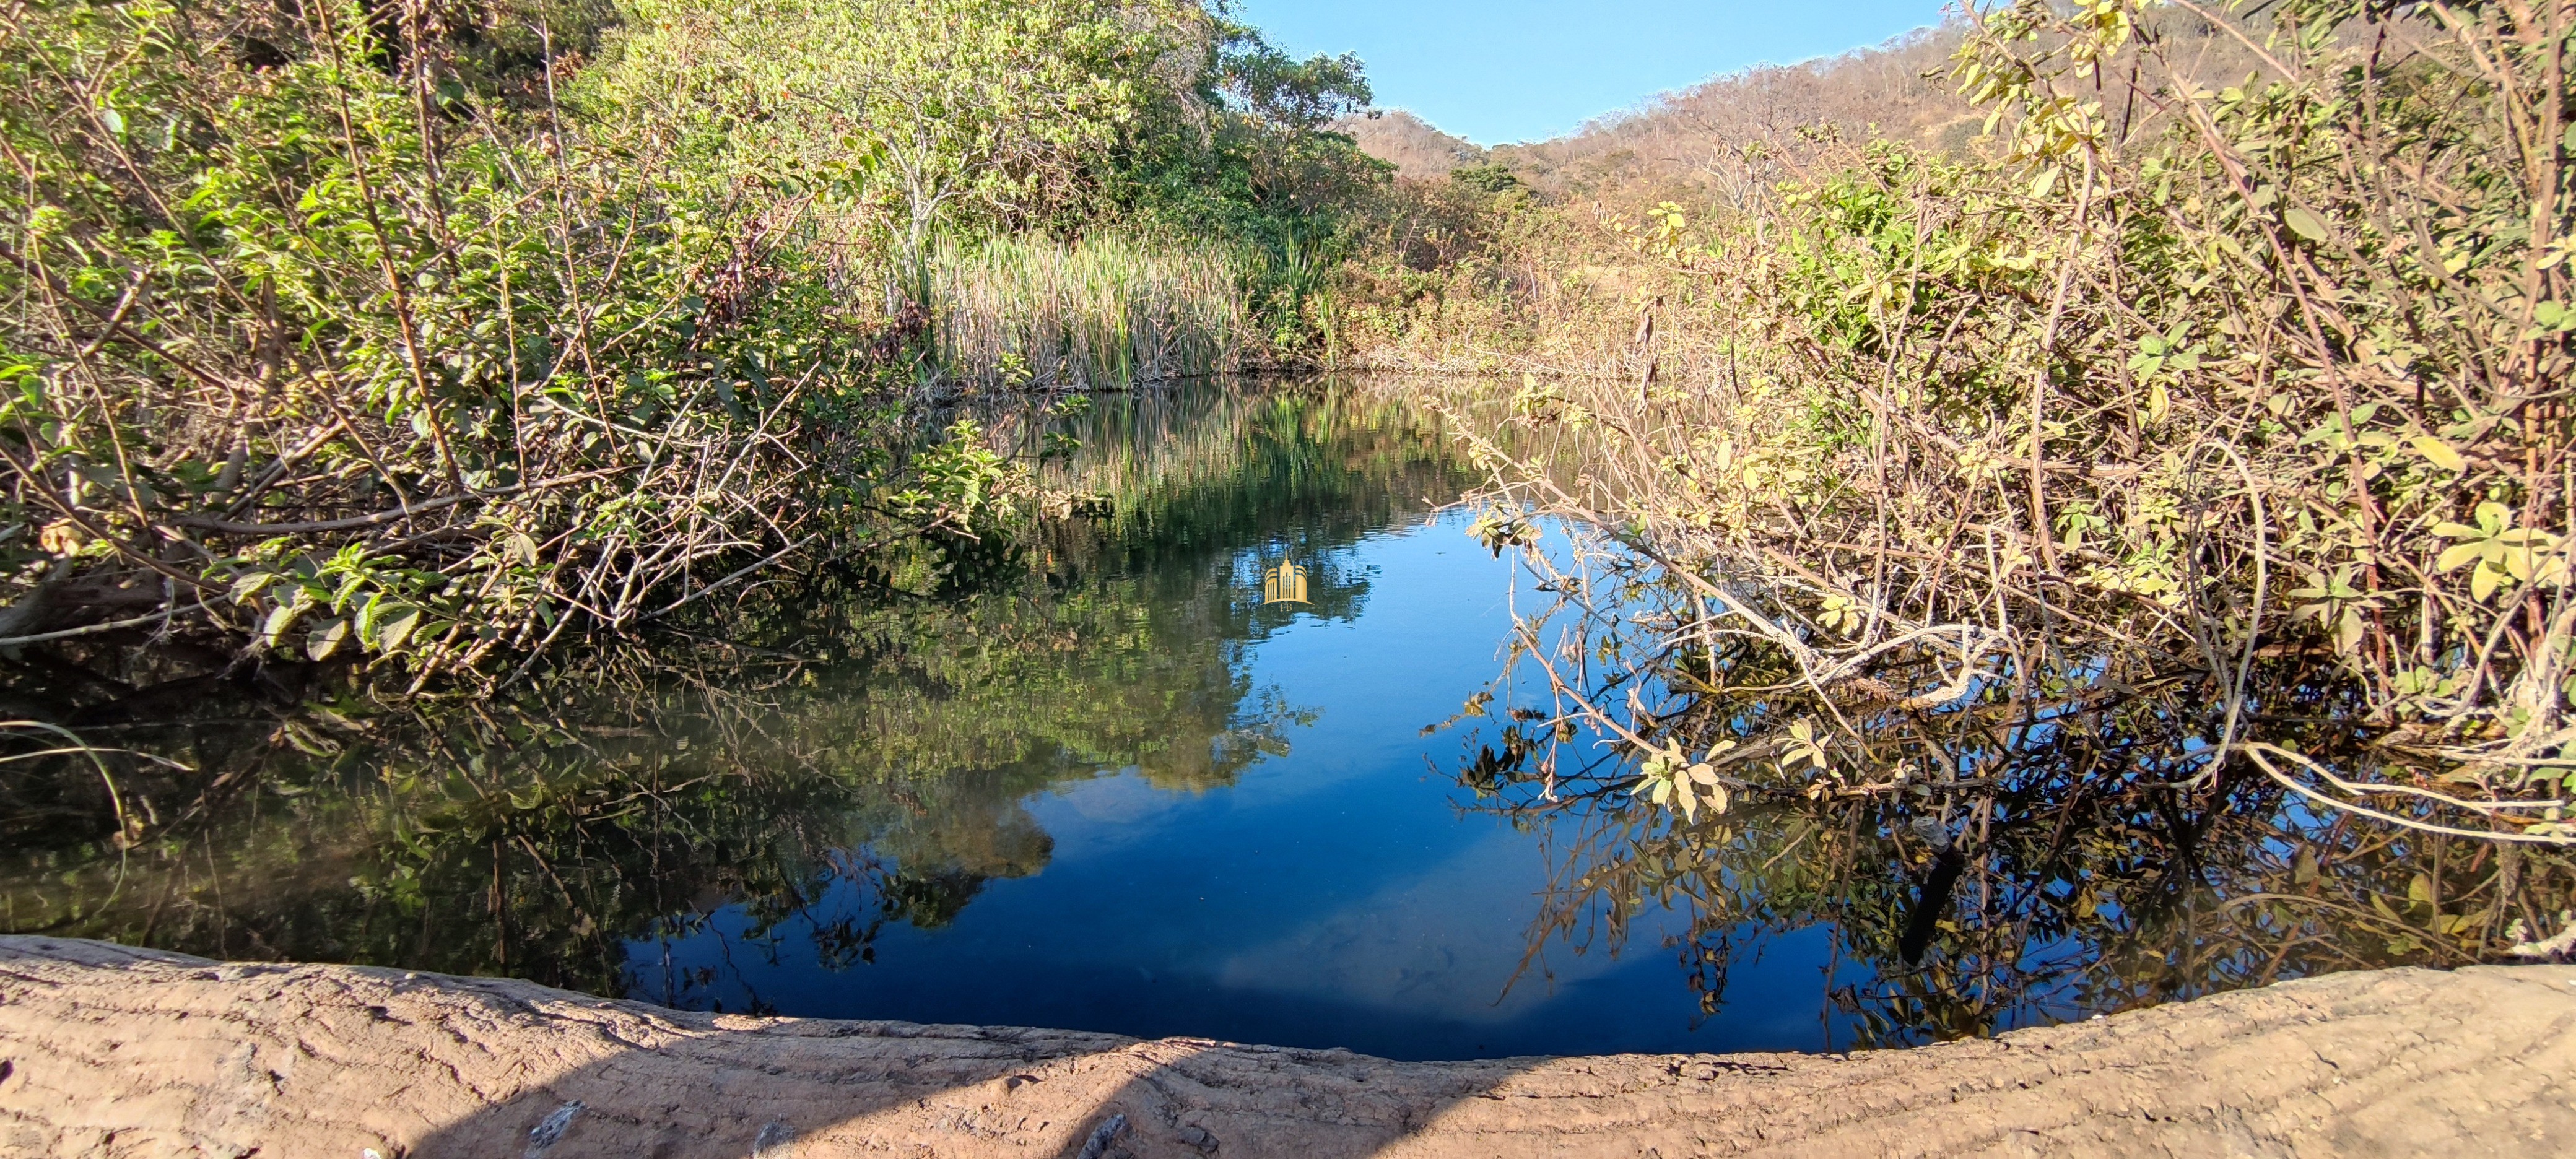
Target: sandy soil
x: 116, y: 1052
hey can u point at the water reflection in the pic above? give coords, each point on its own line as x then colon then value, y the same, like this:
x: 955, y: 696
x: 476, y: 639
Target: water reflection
x: 854, y: 765
x: 2026, y: 849
x: 1080, y: 775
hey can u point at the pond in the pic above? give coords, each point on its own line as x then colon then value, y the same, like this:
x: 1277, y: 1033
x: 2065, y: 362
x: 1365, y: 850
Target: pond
x: 1088, y: 775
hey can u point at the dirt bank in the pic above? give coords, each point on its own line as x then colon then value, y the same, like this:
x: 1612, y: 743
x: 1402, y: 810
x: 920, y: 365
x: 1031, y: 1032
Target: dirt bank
x: 111, y: 1051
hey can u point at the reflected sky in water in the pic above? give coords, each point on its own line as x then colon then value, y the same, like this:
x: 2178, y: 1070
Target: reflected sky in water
x: 1337, y: 895
x: 1074, y: 775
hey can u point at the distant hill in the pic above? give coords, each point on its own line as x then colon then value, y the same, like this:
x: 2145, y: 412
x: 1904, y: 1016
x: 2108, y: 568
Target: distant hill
x: 1733, y: 136
x: 1697, y: 136
x: 1410, y: 143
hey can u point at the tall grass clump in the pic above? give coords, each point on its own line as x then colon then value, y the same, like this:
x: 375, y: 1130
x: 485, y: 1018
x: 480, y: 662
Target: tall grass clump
x: 1104, y: 311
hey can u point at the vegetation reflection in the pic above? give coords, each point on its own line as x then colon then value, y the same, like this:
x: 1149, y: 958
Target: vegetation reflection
x: 877, y: 731
x: 2024, y: 849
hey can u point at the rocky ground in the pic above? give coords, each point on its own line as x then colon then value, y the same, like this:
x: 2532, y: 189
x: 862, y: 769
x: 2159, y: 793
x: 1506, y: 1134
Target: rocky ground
x: 108, y: 1051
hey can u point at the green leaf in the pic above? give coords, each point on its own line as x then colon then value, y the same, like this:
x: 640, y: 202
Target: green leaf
x: 395, y: 624
x: 2441, y: 453
x: 322, y: 641
x: 2458, y: 556
x: 2305, y: 224
x: 278, y: 621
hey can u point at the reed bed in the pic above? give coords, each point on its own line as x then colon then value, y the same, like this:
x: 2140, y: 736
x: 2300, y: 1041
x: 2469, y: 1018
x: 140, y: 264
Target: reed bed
x: 1107, y: 311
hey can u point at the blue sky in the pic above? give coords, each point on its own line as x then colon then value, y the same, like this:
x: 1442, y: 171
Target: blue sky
x: 1522, y: 70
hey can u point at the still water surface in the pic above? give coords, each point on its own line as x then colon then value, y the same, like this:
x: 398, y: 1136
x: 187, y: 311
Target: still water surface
x: 1340, y: 887
x: 1080, y: 775
x: 1344, y: 891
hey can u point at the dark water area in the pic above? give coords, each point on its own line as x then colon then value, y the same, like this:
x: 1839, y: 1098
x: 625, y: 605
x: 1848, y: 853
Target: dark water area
x: 1079, y: 774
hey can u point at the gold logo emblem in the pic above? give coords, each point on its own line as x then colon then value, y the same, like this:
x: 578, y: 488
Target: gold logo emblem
x: 1284, y: 584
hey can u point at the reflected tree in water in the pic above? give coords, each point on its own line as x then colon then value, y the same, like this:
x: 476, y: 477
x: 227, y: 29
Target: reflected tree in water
x: 2027, y: 848
x: 828, y: 759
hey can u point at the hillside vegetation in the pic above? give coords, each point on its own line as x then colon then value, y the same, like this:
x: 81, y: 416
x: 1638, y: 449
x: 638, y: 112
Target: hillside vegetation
x: 425, y: 335
x: 1414, y: 146
x: 2207, y: 368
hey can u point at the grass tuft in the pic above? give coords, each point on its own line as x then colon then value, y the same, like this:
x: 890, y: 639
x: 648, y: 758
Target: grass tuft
x: 1107, y: 311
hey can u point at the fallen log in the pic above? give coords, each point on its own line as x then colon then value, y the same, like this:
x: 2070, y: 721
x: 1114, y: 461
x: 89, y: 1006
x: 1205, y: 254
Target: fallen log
x: 106, y: 1050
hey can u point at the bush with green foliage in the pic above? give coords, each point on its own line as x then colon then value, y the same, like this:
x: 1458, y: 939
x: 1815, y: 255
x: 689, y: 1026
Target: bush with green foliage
x: 425, y: 333
x: 2166, y: 381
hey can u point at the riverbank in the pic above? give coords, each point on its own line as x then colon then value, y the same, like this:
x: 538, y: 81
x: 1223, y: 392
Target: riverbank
x: 115, y: 1051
